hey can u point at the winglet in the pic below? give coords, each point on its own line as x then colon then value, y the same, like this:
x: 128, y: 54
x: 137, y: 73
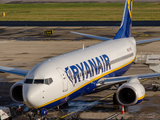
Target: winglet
x: 126, y: 24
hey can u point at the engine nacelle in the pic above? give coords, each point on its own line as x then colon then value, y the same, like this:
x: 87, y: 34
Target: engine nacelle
x: 16, y: 92
x: 130, y: 93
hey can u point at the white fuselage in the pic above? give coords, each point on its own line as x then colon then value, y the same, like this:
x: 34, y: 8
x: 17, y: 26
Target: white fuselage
x: 76, y: 73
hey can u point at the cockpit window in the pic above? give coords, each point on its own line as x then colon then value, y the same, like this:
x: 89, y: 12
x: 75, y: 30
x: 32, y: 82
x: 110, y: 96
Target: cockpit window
x: 38, y: 81
x: 28, y: 81
x: 48, y: 81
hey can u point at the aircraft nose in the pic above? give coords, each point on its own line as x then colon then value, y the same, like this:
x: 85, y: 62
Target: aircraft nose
x: 31, y: 95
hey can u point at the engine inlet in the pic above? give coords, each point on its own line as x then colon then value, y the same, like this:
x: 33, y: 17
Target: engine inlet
x: 127, y: 96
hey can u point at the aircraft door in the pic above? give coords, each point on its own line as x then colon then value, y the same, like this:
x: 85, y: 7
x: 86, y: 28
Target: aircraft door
x: 64, y: 79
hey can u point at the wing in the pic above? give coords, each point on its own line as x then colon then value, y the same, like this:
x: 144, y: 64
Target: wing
x: 92, y: 36
x: 14, y: 71
x: 147, y: 41
x: 116, y: 80
x: 105, y: 39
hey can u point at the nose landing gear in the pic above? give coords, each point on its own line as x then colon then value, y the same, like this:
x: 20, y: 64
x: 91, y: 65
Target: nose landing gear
x: 38, y: 114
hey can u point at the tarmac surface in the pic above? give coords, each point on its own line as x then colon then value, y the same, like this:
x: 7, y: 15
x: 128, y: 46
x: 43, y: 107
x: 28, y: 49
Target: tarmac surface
x: 70, y: 1
x: 24, y: 47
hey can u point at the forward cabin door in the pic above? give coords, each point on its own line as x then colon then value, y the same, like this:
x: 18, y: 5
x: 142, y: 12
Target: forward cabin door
x: 64, y: 79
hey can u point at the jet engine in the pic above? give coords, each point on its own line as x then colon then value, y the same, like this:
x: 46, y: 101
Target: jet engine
x: 130, y: 93
x: 16, y: 92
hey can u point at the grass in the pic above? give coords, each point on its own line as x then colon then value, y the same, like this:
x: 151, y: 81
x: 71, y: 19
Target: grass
x: 77, y: 12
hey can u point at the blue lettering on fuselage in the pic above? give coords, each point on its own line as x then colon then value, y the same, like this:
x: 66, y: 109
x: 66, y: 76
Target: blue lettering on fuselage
x: 93, y: 65
x: 107, y: 66
x: 86, y: 69
x: 75, y: 73
x: 81, y: 68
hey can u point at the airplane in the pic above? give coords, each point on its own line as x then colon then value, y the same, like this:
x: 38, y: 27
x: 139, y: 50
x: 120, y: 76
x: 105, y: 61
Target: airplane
x: 60, y: 79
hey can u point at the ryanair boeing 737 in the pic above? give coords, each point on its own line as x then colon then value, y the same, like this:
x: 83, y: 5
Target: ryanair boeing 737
x: 60, y: 79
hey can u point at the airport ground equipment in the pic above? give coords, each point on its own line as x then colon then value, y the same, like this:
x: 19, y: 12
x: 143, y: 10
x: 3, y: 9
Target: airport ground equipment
x: 150, y: 59
x: 38, y: 114
x: 153, y: 61
x: 5, y: 113
x: 155, y: 86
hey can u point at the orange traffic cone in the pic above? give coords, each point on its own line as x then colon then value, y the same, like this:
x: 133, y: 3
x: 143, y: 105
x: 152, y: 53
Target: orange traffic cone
x: 122, y: 109
x: 19, y: 108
